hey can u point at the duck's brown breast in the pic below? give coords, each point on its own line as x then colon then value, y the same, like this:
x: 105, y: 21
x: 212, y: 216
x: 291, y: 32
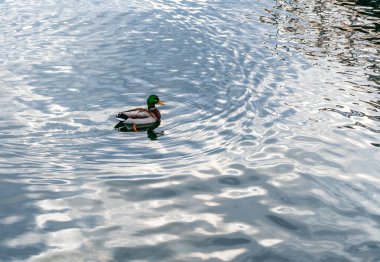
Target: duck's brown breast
x: 156, y: 113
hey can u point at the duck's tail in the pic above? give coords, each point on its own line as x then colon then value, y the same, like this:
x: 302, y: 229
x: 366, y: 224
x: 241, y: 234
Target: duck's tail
x: 121, y: 116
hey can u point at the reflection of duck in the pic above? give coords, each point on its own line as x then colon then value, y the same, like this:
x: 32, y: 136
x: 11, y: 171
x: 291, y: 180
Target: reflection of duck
x: 149, y: 128
x: 141, y: 118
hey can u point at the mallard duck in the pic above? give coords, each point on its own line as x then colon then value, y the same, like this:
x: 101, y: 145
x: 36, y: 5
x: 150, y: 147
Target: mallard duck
x: 141, y: 117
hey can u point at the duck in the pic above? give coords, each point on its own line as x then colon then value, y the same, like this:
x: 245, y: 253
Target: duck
x: 142, y: 117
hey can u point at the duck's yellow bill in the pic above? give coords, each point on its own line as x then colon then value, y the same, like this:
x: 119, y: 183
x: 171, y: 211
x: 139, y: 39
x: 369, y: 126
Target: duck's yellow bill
x: 161, y: 103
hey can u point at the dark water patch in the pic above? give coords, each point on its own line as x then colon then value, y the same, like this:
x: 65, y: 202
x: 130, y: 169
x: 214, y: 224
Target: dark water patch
x: 282, y: 222
x: 229, y: 181
x: 146, y: 194
x: 229, y: 241
x: 142, y: 252
x: 221, y: 242
x: 268, y: 254
x: 366, y: 250
x: 21, y: 252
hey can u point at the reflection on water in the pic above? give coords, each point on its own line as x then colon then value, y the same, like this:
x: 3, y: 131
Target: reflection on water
x: 271, y: 143
x: 149, y: 129
x: 334, y: 42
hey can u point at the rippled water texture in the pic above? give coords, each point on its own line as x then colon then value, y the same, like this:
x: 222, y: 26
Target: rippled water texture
x: 271, y: 138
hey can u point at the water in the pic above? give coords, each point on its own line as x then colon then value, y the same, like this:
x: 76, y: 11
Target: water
x: 271, y: 139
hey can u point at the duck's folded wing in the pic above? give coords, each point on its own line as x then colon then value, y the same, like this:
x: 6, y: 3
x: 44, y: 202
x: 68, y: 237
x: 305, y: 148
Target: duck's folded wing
x: 138, y: 113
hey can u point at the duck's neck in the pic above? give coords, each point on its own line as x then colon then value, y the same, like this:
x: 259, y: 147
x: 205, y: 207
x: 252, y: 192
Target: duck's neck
x: 156, y: 112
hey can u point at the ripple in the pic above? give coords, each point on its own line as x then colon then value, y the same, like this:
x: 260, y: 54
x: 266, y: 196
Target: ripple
x: 241, y: 193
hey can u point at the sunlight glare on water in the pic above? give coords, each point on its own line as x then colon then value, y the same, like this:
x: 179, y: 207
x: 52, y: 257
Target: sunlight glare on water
x: 271, y: 131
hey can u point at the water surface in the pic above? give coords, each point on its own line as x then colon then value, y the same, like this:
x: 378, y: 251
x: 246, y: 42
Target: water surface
x: 271, y: 133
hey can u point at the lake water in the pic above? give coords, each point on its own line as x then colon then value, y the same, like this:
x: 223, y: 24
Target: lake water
x: 271, y: 144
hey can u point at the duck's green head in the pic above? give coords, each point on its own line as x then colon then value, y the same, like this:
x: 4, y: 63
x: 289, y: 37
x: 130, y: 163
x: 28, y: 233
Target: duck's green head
x: 153, y: 100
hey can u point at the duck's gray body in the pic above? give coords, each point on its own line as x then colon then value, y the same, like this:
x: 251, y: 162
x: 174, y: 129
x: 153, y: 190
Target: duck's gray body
x: 139, y: 116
